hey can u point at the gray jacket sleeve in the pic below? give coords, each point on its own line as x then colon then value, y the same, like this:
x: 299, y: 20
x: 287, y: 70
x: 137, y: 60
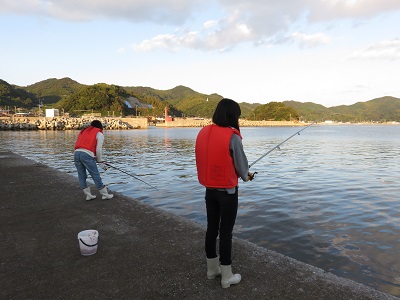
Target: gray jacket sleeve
x: 239, y: 157
x: 99, y: 147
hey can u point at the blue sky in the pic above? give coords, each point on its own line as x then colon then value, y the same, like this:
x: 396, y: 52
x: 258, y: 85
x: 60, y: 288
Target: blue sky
x: 330, y: 52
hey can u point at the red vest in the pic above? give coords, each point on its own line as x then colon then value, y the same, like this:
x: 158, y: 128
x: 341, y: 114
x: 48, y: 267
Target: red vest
x: 87, y: 139
x: 215, y: 166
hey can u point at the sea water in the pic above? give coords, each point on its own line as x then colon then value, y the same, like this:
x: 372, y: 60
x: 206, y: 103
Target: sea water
x: 328, y: 197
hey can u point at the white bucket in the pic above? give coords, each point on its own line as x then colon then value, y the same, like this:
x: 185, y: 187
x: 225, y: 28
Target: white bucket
x: 88, y: 240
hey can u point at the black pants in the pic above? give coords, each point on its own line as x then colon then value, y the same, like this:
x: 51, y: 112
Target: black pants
x: 221, y: 216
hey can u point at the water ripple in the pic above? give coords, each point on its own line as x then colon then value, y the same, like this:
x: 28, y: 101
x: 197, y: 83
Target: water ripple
x: 328, y: 197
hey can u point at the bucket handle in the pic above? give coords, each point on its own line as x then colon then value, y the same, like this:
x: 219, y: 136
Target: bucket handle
x: 87, y: 244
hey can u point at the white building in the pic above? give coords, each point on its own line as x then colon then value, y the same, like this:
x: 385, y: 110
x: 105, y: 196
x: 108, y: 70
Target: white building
x: 51, y: 113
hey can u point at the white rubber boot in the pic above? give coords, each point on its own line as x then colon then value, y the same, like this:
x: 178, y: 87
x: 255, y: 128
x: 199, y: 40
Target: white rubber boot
x: 105, y: 194
x: 88, y: 194
x: 213, y: 268
x: 228, y: 278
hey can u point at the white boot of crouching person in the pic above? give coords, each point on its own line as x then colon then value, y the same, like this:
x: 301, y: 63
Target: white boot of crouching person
x: 88, y: 194
x: 104, y: 193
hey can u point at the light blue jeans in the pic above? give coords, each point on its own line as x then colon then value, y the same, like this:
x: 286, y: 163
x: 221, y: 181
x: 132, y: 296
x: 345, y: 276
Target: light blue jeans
x: 84, y: 162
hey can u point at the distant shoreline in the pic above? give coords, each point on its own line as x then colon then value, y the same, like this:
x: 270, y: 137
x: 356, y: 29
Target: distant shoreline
x: 121, y: 123
x: 112, y: 123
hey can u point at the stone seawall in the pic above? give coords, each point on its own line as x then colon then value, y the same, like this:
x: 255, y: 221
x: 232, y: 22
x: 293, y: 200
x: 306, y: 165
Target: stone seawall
x: 62, y: 123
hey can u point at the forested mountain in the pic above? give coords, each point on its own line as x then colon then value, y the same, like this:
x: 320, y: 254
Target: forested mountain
x: 190, y: 102
x: 185, y: 101
x: 378, y: 110
x: 248, y: 109
x: 14, y: 96
x: 275, y: 111
x: 53, y: 90
x: 309, y: 110
x: 77, y: 98
x: 101, y: 97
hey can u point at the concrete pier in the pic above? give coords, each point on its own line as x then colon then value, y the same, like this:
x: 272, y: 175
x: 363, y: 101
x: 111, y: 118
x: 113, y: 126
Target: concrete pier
x: 143, y: 252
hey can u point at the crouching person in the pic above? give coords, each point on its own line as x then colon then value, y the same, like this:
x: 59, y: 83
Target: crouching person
x: 88, y: 150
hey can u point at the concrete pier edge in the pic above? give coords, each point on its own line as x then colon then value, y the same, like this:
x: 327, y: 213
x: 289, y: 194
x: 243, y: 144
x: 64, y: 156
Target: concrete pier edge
x: 143, y: 253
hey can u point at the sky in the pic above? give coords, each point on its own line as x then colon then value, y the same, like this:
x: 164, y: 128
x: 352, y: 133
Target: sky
x: 330, y: 52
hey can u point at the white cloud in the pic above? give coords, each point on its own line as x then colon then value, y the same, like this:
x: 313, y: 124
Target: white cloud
x: 209, y: 24
x: 163, y: 11
x: 339, y: 9
x: 384, y: 50
x: 275, y: 14
x: 233, y: 22
x: 162, y: 41
x: 259, y: 21
x: 274, y: 71
x: 223, y: 34
x: 311, y: 40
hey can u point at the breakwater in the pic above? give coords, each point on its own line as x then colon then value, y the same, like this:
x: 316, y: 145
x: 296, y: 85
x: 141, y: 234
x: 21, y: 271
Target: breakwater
x: 62, y: 123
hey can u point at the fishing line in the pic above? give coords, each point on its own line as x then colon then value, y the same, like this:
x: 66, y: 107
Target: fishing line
x: 132, y: 175
x: 278, y: 146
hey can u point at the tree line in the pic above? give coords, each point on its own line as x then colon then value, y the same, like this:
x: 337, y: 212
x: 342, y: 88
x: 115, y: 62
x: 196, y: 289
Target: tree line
x: 77, y: 99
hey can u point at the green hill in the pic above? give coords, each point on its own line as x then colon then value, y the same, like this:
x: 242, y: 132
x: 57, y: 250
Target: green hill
x: 380, y: 109
x: 377, y: 110
x: 309, y: 110
x: 181, y: 101
x: 154, y: 98
x: 101, y: 97
x: 15, y: 97
x: 275, y: 111
x: 184, y: 101
x: 52, y: 90
x: 248, y: 110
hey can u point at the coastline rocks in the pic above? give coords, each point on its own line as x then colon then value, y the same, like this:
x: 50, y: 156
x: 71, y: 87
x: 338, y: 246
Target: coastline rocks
x: 10, y: 125
x: 61, y: 124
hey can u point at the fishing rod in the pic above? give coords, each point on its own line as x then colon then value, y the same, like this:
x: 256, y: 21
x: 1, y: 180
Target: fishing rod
x: 278, y: 146
x: 134, y: 176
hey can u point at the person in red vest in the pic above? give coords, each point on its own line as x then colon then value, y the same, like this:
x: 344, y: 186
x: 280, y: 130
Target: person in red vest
x: 88, y: 150
x: 220, y: 161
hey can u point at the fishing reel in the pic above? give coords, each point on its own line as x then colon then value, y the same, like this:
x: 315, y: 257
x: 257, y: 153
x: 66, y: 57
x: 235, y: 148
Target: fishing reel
x: 251, y: 176
x: 104, y: 166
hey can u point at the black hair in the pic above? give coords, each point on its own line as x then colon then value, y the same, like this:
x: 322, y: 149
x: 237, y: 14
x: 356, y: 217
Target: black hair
x: 227, y: 114
x: 97, y: 124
